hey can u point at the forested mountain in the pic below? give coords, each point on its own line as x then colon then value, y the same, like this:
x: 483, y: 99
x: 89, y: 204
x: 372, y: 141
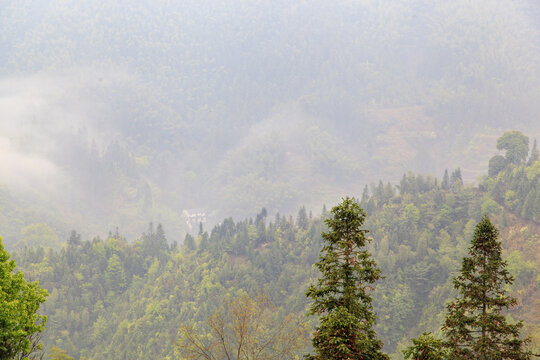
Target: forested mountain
x: 114, y: 299
x: 114, y: 113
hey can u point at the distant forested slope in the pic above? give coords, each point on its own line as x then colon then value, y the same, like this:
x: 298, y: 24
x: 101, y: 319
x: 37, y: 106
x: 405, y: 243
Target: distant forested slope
x: 140, y: 110
x: 112, y: 299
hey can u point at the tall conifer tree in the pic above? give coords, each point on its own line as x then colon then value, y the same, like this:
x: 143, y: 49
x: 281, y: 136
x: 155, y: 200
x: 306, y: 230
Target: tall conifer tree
x: 474, y: 326
x: 341, y: 297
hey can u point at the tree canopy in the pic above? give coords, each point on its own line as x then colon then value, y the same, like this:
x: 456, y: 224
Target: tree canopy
x: 420, y: 236
x: 243, y: 329
x: 474, y: 327
x: 426, y: 347
x: 516, y: 145
x: 341, y: 297
x: 19, y: 303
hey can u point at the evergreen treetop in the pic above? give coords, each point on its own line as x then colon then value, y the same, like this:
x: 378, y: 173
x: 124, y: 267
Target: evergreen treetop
x: 474, y: 326
x: 341, y: 297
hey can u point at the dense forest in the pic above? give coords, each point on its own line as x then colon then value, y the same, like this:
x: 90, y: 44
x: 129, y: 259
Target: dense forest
x: 164, y: 163
x: 118, y: 114
x: 118, y: 299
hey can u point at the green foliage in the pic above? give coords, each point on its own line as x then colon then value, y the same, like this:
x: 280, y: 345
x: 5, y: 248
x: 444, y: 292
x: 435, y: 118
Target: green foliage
x: 19, y: 303
x: 38, y: 235
x: 456, y: 181
x: 490, y: 207
x: 115, y: 277
x: 474, y: 326
x: 238, y: 132
x: 426, y: 347
x: 496, y: 165
x: 93, y: 316
x: 418, y: 242
x: 516, y: 145
x: 189, y: 242
x: 535, y: 154
x: 518, y: 188
x: 59, y: 354
x: 341, y: 298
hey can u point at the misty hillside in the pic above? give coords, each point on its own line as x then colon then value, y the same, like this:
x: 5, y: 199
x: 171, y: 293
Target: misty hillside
x: 122, y: 299
x: 119, y: 113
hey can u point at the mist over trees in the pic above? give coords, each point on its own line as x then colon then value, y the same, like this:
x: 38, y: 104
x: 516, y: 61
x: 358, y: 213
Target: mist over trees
x: 155, y: 123
x: 108, y: 294
x: 156, y: 107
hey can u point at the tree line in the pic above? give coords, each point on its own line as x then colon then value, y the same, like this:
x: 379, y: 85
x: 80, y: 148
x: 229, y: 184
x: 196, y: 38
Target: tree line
x: 108, y: 295
x: 474, y: 327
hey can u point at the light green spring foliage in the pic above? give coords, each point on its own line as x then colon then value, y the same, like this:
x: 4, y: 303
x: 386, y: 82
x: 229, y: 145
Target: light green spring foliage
x: 19, y: 303
x: 57, y: 353
x: 419, y: 237
x: 38, y: 234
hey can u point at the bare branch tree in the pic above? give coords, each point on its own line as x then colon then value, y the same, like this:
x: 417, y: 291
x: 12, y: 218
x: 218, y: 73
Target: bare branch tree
x: 35, y: 352
x: 243, y: 329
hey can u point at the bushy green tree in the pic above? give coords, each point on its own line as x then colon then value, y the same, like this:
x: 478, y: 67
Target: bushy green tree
x: 516, y: 145
x: 302, y: 220
x: 189, y: 242
x: 115, y: 276
x: 474, y: 326
x: 19, y: 303
x: 496, y: 165
x: 341, y: 297
x: 59, y: 354
x: 426, y: 347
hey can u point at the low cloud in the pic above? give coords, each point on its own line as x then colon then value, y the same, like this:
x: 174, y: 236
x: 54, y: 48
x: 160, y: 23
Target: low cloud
x: 21, y: 171
x: 38, y: 112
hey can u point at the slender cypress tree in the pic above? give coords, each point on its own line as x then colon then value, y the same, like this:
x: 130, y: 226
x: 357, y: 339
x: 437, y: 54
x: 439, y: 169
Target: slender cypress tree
x: 341, y: 297
x: 445, y: 184
x: 474, y: 326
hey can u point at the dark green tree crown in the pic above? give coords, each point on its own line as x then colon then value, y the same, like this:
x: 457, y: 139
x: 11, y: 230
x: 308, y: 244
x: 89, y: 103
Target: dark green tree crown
x: 474, y: 326
x: 341, y: 297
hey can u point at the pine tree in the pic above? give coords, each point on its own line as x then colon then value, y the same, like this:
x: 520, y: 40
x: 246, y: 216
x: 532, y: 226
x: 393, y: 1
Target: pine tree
x: 403, y: 185
x: 341, y: 297
x: 302, y: 219
x: 365, y: 196
x: 456, y: 181
x: 189, y: 242
x: 115, y: 277
x: 527, y: 211
x: 426, y: 347
x: 445, y: 185
x: 474, y: 326
x: 160, y: 238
